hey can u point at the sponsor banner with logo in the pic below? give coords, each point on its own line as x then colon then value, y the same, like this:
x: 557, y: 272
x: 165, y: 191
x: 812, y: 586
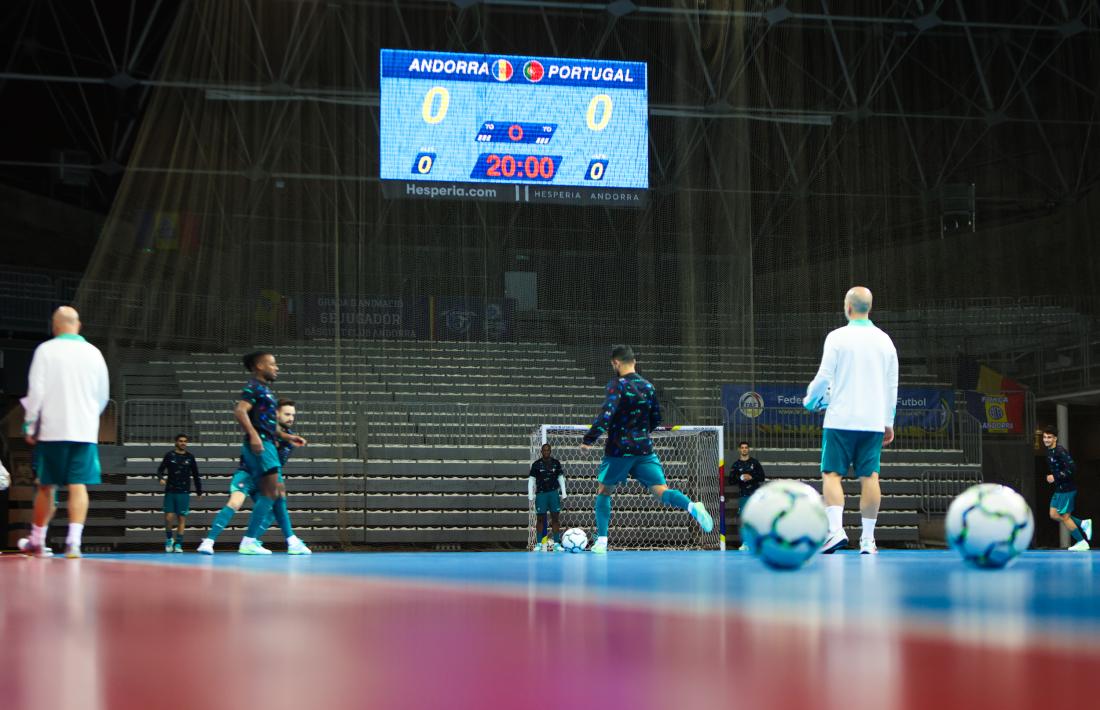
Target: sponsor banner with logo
x: 374, y: 317
x: 458, y: 318
x: 778, y: 408
x: 513, y: 69
x: 999, y: 413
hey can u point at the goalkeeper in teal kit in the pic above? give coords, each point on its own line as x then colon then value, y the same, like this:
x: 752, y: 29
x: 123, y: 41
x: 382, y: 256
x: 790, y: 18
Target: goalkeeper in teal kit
x: 629, y: 413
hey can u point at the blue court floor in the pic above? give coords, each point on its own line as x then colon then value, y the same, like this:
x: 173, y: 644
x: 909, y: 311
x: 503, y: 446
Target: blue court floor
x: 1044, y: 594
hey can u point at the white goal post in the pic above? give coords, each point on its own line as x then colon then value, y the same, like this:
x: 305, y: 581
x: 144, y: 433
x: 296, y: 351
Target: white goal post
x: 693, y: 460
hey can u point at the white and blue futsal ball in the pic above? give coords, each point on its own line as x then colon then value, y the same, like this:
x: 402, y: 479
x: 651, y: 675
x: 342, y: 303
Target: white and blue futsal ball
x: 784, y: 522
x: 574, y: 540
x: 989, y: 525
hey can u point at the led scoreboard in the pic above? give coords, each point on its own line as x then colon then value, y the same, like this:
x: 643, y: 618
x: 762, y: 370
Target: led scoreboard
x: 513, y: 128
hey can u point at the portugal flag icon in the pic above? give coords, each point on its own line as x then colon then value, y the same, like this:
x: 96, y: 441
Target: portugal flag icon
x: 533, y: 71
x: 502, y: 70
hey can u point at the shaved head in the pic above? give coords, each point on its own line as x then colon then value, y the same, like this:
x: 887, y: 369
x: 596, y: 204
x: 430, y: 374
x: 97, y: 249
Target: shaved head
x: 858, y: 301
x: 66, y: 320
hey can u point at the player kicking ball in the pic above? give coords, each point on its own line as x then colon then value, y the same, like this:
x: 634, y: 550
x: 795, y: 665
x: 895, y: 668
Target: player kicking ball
x: 629, y: 413
x: 242, y: 486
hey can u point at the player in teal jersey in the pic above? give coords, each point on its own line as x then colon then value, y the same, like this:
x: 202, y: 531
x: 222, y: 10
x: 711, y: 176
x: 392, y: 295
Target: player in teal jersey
x: 629, y: 414
x: 259, y: 476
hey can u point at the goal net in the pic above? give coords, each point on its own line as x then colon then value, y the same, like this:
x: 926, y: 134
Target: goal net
x: 692, y: 459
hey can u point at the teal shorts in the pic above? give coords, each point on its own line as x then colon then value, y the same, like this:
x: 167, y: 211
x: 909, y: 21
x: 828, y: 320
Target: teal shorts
x: 646, y: 470
x: 842, y: 449
x: 547, y: 501
x: 66, y: 463
x: 178, y: 503
x: 1063, y: 502
x: 243, y: 483
x: 259, y: 464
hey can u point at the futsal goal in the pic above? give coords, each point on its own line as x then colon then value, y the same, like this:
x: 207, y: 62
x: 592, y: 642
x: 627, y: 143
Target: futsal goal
x: 692, y: 457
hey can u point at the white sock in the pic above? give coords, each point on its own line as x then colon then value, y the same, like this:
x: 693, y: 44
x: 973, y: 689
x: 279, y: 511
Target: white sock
x: 691, y: 508
x: 602, y: 538
x: 868, y: 529
x: 38, y: 535
x: 75, y: 531
x: 247, y: 541
x: 290, y: 540
x: 835, y: 513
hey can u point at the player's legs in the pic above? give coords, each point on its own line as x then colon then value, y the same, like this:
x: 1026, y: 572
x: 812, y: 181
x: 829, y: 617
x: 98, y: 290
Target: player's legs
x: 281, y: 514
x: 833, y: 493
x: 45, y: 505
x: 836, y: 459
x: 1061, y: 509
x: 266, y: 474
x: 221, y: 520
x: 541, y: 537
x: 602, y: 506
x: 170, y: 522
x: 870, y: 500
x: 555, y: 521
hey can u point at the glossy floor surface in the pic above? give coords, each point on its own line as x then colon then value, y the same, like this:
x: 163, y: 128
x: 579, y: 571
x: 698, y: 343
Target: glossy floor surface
x: 685, y: 630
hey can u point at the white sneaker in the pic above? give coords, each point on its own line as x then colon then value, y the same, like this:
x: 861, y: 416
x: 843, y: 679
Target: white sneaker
x: 600, y: 546
x: 1086, y: 528
x: 836, y: 541
x: 1082, y: 546
x: 295, y: 546
x: 169, y: 546
x: 72, y: 552
x: 206, y: 547
x: 27, y: 548
x: 253, y: 548
x: 743, y: 548
x: 867, y: 547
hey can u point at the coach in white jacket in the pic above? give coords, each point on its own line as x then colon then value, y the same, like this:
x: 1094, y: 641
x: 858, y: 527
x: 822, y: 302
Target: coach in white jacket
x: 67, y: 391
x: 857, y: 383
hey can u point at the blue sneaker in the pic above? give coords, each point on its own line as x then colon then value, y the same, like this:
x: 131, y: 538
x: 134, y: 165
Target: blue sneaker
x: 699, y: 512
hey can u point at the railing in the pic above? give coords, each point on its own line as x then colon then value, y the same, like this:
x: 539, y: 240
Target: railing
x: 969, y: 437
x: 939, y: 488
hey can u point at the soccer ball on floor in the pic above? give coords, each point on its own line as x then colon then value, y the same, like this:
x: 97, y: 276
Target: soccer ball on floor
x: 574, y: 540
x: 784, y: 523
x: 989, y: 525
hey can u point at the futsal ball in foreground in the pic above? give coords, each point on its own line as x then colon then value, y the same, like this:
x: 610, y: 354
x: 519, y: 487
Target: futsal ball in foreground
x: 989, y: 525
x: 574, y: 540
x: 784, y: 523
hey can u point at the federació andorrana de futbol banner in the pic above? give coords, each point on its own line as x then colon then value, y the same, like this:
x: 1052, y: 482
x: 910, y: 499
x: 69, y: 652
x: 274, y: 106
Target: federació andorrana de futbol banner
x: 777, y: 408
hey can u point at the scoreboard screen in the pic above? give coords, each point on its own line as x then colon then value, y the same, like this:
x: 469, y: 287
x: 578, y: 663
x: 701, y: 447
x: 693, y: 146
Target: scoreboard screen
x: 513, y: 128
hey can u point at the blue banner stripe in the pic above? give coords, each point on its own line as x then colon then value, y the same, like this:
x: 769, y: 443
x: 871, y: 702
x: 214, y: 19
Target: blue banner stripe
x: 513, y: 69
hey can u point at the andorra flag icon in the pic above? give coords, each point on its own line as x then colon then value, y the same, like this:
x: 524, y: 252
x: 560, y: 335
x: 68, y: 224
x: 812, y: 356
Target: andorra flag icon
x: 533, y: 71
x: 502, y: 70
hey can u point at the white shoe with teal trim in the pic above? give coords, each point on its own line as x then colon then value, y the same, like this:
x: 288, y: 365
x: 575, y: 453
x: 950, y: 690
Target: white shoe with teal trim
x: 1086, y: 528
x: 699, y: 512
x: 252, y: 548
x: 600, y: 546
x: 867, y: 547
x: 178, y: 547
x: 169, y: 546
x: 837, y: 541
x: 295, y: 546
x: 206, y: 547
x: 1082, y: 546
